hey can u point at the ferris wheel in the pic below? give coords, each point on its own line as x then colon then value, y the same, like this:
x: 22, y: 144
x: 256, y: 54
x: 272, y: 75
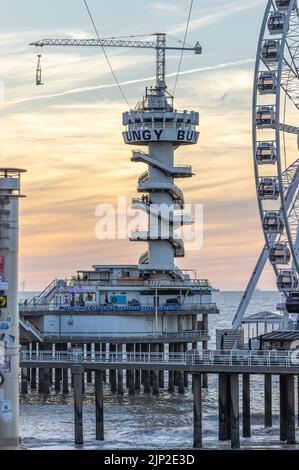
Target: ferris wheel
x: 275, y: 150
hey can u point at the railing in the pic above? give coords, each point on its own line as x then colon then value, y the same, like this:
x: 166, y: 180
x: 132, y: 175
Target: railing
x: 161, y: 125
x: 179, y: 283
x: 45, y: 292
x: 29, y: 326
x: 259, y: 359
x: 189, y: 336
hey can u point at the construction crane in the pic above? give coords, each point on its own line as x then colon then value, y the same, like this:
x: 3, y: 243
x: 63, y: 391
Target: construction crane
x: 159, y: 45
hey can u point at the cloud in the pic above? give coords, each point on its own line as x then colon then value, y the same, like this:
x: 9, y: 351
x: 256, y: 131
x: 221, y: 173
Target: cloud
x: 128, y: 82
x: 165, y: 7
x: 216, y: 16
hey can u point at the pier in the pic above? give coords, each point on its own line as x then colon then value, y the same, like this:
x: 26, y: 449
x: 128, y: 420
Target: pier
x: 229, y: 367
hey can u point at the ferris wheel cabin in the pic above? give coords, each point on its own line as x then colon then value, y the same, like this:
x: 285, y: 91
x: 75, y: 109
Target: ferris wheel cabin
x: 279, y: 254
x: 282, y: 5
x: 270, y: 50
x: 276, y: 22
x: 268, y: 189
x: 265, y: 117
x: 287, y: 281
x: 273, y: 222
x: 292, y: 303
x: 267, y: 83
x: 266, y: 153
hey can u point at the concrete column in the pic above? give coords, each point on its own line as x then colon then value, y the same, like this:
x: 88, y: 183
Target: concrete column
x: 205, y: 320
x: 180, y: 376
x: 197, y: 392
x: 65, y: 377
x: 146, y: 373
x: 41, y: 380
x: 235, y: 420
x: 290, y: 404
x: 155, y: 348
x: 113, y: 371
x: 77, y: 373
x: 46, y: 382
x: 103, y: 350
x: 224, y: 407
x: 33, y: 379
x: 99, y: 396
x: 186, y: 375
x: 171, y: 372
x: 89, y: 372
x: 120, y: 374
x: 24, y: 387
x: 51, y: 377
x: 161, y: 372
x: 138, y: 372
x: 268, y: 400
x: 283, y: 406
x: 58, y: 371
x: 131, y: 383
x: 246, y: 406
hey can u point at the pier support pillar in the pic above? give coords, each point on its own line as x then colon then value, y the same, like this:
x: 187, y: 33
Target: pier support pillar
x: 268, y: 400
x: 131, y: 384
x: 171, y: 372
x: 290, y: 404
x: 246, y: 406
x: 103, y: 350
x: 197, y: 393
x: 235, y: 420
x: 161, y: 372
x: 224, y: 407
x: 120, y: 374
x: 146, y: 373
x: 155, y: 348
x: 99, y: 396
x: 77, y: 374
x: 113, y: 371
x: 180, y: 373
x: 283, y: 406
x: 89, y: 372
x: 138, y: 371
x: 65, y: 376
x: 58, y: 371
x: 33, y: 379
x: 24, y: 387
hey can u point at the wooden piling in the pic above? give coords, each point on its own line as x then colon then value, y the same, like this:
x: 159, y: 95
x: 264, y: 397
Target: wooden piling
x: 99, y: 401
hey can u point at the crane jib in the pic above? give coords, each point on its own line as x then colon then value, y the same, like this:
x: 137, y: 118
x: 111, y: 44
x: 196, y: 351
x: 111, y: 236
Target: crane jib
x: 112, y: 43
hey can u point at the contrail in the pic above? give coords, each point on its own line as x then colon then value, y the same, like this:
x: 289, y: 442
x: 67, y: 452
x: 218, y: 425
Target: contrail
x: 129, y: 82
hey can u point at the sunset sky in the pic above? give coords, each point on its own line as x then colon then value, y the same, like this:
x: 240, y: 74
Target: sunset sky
x: 67, y: 133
